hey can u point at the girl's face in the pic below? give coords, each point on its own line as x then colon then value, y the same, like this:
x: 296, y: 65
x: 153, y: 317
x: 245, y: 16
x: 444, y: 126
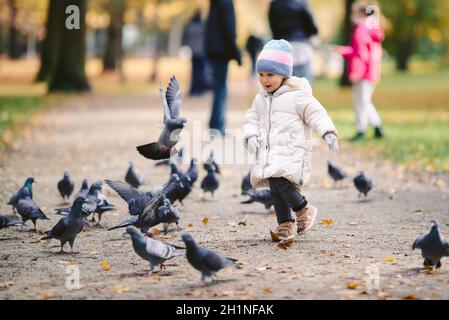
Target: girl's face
x: 270, y: 81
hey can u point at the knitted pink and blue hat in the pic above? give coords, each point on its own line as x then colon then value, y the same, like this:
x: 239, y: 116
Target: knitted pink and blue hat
x: 276, y: 57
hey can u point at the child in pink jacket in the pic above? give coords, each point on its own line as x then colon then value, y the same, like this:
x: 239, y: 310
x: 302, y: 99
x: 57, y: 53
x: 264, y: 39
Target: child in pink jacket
x: 364, y: 57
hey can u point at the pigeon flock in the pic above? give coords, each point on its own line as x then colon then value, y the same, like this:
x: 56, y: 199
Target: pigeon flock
x: 161, y: 206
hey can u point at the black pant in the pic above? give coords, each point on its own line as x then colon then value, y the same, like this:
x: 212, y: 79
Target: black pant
x: 285, y: 196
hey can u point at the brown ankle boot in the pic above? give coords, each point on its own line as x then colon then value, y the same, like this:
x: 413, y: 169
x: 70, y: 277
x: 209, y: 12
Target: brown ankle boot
x: 305, y: 219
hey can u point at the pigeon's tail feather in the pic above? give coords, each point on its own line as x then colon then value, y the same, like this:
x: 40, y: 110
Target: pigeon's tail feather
x: 153, y: 151
x: 250, y: 200
x: 48, y: 236
x: 123, y: 224
x: 232, y: 263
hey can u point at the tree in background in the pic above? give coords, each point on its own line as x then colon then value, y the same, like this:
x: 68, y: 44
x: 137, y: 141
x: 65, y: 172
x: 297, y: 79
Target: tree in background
x: 409, y: 23
x: 64, y: 50
x: 113, y: 53
x: 346, y: 33
x: 13, y: 41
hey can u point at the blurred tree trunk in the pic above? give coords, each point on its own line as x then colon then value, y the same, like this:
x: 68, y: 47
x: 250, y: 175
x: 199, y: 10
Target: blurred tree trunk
x: 64, y: 50
x: 13, y: 44
x: 157, y: 43
x: 404, y: 52
x: 347, y: 32
x: 113, y: 52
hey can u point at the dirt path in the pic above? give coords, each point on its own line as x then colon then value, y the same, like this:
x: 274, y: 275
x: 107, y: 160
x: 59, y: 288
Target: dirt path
x: 94, y: 137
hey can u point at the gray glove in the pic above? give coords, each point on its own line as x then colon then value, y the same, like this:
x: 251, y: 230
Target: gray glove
x: 253, y: 144
x: 332, y: 141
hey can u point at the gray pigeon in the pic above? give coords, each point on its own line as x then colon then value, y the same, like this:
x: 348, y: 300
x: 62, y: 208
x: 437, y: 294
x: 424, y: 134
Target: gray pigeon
x: 154, y: 251
x: 146, y: 208
x: 335, y: 172
x: 28, y: 209
x: 363, y: 184
x: 204, y: 260
x: 176, y: 158
x: 210, y: 182
x: 246, y: 184
x: 6, y: 222
x: 133, y: 178
x: 173, y: 124
x: 68, y: 227
x: 15, y: 197
x: 192, y: 172
x: 66, y: 186
x: 211, y: 162
x: 263, y: 196
x: 433, y: 246
x: 83, y: 190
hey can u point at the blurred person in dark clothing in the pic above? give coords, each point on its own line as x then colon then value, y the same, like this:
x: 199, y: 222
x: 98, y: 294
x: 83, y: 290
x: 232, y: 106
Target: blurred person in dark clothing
x: 193, y: 37
x: 293, y: 21
x: 221, y: 47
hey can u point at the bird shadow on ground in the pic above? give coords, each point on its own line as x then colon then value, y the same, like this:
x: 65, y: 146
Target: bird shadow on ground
x: 9, y: 238
x: 365, y: 200
x: 209, y: 284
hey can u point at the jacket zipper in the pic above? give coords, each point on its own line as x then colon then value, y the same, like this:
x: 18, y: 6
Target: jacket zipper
x: 269, y: 129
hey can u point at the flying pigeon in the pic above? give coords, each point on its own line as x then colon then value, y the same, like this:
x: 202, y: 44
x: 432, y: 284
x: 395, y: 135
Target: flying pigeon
x: 335, y: 172
x: 15, y: 197
x: 210, y: 182
x: 28, y: 209
x: 263, y: 196
x: 363, y: 184
x: 154, y: 251
x: 204, y: 260
x: 176, y: 158
x: 66, y: 186
x: 173, y: 124
x: 145, y: 207
x: 433, y: 246
x: 6, y: 222
x: 133, y: 178
x: 68, y: 227
x: 246, y: 184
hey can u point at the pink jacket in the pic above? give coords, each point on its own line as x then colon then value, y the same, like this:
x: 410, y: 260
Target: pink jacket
x: 364, y: 55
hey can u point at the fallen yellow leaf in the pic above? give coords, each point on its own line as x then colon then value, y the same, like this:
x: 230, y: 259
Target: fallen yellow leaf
x: 274, y: 236
x: 106, y: 266
x: 205, y: 220
x: 410, y: 296
x: 120, y: 288
x: 189, y: 225
x: 266, y: 290
x: 327, y: 222
x: 389, y: 259
x: 351, y: 285
x: 45, y: 296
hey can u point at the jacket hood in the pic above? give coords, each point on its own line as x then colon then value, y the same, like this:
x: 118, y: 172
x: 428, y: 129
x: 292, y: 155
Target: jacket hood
x: 290, y: 84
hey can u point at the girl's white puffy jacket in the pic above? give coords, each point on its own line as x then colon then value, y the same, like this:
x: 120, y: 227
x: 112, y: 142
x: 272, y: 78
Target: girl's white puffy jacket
x: 282, y: 122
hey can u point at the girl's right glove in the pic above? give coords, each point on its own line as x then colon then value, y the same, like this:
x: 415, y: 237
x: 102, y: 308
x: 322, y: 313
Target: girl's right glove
x: 253, y: 144
x: 332, y: 141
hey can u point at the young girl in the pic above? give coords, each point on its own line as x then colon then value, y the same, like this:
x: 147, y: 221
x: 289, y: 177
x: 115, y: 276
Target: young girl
x: 364, y: 57
x: 278, y: 129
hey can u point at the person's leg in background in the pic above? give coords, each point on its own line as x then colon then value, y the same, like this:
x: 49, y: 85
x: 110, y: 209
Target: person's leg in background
x: 219, y: 73
x: 361, y: 117
x: 304, y: 71
x: 371, y: 112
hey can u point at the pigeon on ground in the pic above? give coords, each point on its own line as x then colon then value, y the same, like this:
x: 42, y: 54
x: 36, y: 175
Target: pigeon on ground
x: 154, y: 251
x: 363, y: 184
x: 192, y: 172
x: 176, y: 158
x: 246, y: 184
x: 181, y: 190
x: 263, y: 196
x: 28, y: 209
x: 145, y: 206
x: 133, y: 178
x: 83, y: 190
x: 66, y: 186
x: 335, y: 172
x: 210, y: 182
x: 211, y: 162
x: 15, y: 197
x: 433, y: 246
x: 204, y: 260
x: 173, y: 125
x: 68, y: 227
x: 6, y: 221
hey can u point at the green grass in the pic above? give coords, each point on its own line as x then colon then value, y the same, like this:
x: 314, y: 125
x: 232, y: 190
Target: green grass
x: 415, y: 111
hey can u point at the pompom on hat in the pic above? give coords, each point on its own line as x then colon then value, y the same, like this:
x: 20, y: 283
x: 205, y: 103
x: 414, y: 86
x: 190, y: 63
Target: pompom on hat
x: 276, y: 57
